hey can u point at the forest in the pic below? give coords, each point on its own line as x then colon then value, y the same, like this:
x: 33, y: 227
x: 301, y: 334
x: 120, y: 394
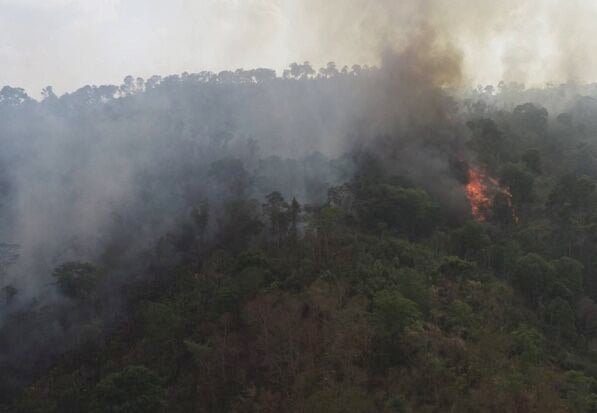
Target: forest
x: 333, y: 240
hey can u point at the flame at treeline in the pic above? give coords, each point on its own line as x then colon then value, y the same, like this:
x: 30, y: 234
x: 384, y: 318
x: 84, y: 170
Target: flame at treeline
x: 481, y: 191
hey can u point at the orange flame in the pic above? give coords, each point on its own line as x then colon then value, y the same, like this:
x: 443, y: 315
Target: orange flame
x: 477, y: 194
x: 480, y: 191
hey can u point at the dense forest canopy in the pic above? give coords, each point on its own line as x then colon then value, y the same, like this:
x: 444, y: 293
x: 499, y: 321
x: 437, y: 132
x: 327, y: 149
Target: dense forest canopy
x: 343, y: 239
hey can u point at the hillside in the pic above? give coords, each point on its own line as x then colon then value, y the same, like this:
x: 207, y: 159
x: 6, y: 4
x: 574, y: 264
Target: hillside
x: 443, y: 264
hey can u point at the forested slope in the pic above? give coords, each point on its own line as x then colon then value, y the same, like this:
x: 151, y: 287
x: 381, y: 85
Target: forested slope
x: 232, y: 277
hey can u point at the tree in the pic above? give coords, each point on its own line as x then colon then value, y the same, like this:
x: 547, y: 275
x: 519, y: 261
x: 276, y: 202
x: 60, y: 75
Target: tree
x: 488, y: 141
x: 299, y: 71
x: 532, y: 160
x: 136, y: 389
x: 570, y: 273
x: 459, y: 318
x: 276, y: 210
x: 409, y: 211
x: 48, y: 94
x: 14, y: 96
x: 231, y: 173
x: 531, y: 117
x: 329, y: 71
x: 518, y: 181
x: 528, y: 344
x: 200, y: 218
x: 9, y: 254
x: 532, y: 276
x: 9, y: 292
x: 392, y: 313
x: 131, y: 86
x: 579, y: 389
x: 161, y: 325
x: 295, y: 211
x: 239, y: 224
x: 504, y: 256
x: 456, y: 268
x: 470, y: 240
x: 77, y: 279
x: 502, y: 211
x: 571, y: 205
x: 572, y: 194
x: 561, y: 319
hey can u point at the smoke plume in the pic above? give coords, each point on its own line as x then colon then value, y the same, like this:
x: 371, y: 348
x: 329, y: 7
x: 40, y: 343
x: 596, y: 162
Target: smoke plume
x: 107, y: 173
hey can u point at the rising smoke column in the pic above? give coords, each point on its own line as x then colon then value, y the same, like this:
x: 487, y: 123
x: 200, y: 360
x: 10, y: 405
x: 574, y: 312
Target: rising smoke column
x: 528, y: 41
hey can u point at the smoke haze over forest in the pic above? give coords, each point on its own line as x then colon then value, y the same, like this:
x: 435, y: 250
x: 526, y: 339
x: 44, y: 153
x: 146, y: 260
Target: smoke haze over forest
x: 142, y: 140
x: 69, y: 43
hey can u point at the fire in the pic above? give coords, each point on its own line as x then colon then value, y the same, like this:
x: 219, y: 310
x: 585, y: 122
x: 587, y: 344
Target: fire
x: 477, y: 194
x: 481, y: 190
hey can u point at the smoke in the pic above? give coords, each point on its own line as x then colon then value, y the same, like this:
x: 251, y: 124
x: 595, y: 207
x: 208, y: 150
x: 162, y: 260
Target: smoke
x: 528, y: 41
x: 104, y: 173
x: 429, y: 53
x: 81, y: 165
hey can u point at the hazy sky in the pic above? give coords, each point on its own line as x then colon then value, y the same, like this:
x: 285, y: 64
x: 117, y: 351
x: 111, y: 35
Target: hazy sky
x: 70, y: 43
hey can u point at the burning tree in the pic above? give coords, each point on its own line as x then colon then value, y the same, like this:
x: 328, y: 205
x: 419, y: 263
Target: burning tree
x: 481, y: 191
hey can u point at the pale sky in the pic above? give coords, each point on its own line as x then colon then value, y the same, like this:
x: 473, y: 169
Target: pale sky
x: 70, y: 43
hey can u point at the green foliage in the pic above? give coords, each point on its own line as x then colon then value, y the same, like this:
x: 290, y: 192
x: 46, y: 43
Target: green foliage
x: 504, y: 256
x: 226, y: 298
x: 531, y: 117
x: 532, y: 276
x: 470, y: 240
x: 251, y: 258
x: 390, y: 298
x: 488, y: 141
x: 561, y: 319
x: 278, y: 213
x: 459, y: 319
x: 136, y: 389
x: 329, y: 220
x: 295, y: 213
x: 571, y: 204
x: 518, y: 181
x: 532, y: 160
x: 456, y: 268
x: 241, y: 223
x: 414, y: 286
x: 396, y: 405
x: 572, y: 193
x: 407, y: 211
x: 392, y: 313
x: 161, y: 324
x: 200, y: 217
x: 199, y: 351
x: 580, y: 390
x: 387, y: 301
x: 231, y: 173
x: 251, y: 279
x: 570, y: 273
x: 528, y: 344
x: 77, y: 279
